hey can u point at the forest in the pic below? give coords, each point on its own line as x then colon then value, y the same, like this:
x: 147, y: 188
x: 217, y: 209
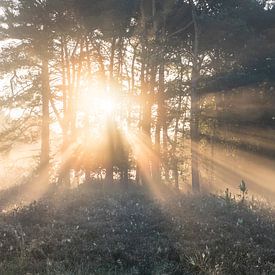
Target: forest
x: 137, y: 137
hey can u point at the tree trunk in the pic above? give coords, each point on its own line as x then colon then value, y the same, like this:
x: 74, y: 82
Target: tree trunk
x: 109, y: 164
x: 64, y: 174
x: 144, y: 159
x: 45, y: 134
x: 174, y: 148
x: 159, y: 126
x: 195, y: 109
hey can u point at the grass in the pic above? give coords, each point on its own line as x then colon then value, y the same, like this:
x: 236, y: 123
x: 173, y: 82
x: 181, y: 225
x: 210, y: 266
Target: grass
x: 97, y: 229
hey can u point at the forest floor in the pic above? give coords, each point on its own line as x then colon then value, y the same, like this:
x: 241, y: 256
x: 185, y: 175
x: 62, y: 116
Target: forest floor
x: 99, y: 229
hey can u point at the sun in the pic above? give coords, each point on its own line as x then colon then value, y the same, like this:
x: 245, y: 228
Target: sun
x: 106, y: 104
x: 95, y: 99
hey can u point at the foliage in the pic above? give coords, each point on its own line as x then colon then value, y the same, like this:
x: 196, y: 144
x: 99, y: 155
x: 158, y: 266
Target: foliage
x: 99, y: 229
x: 243, y: 189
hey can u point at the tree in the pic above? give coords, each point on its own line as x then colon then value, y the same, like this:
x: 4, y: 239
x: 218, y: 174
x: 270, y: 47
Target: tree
x: 30, y: 23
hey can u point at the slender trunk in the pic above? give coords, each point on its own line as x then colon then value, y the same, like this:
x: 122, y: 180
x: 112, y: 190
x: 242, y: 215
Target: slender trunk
x: 77, y: 94
x: 76, y: 64
x: 88, y: 58
x: 212, y: 157
x: 174, y: 148
x: 120, y: 61
x: 212, y: 145
x: 86, y: 119
x: 111, y: 69
x: 124, y: 175
x: 133, y: 72
x: 178, y: 117
x: 155, y: 26
x: 159, y: 126
x: 160, y: 96
x: 45, y: 136
x: 143, y: 160
x: 109, y: 164
x: 100, y: 61
x: 195, y: 109
x: 137, y: 174
x: 110, y: 150
x: 69, y: 90
x: 146, y: 123
x: 156, y: 172
x: 165, y: 147
x: 125, y: 166
x: 64, y: 176
x: 161, y: 155
x: 164, y: 121
x: 78, y: 78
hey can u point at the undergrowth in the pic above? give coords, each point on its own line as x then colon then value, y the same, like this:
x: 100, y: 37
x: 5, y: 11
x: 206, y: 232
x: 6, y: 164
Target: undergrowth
x: 98, y: 229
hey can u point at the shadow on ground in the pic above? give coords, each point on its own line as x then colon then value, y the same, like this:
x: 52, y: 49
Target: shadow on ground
x: 104, y: 229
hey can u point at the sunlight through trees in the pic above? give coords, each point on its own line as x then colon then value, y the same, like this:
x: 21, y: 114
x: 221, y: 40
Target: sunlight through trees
x: 175, y: 92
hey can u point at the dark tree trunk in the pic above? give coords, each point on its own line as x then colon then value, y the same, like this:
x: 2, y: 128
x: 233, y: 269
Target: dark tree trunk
x: 174, y: 148
x: 45, y: 133
x: 195, y: 109
x: 110, y: 151
x: 110, y: 164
